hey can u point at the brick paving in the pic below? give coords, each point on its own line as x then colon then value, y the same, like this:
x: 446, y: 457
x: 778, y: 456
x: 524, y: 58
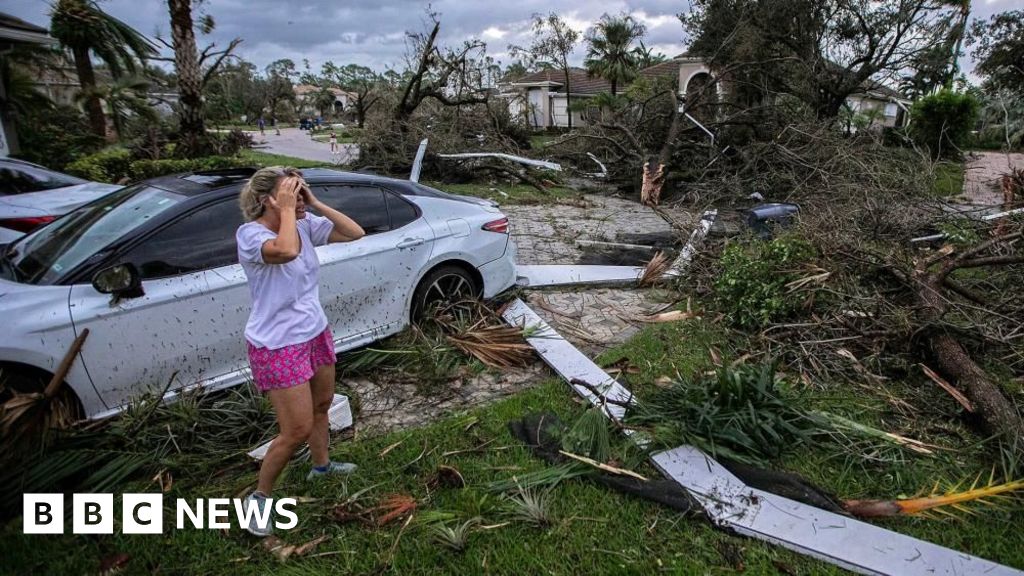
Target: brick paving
x: 593, y: 319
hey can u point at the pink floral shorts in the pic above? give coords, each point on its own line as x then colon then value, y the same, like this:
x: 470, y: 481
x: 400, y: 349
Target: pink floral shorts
x: 291, y: 365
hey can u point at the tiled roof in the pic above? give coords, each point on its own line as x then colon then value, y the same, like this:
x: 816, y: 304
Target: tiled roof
x: 580, y: 82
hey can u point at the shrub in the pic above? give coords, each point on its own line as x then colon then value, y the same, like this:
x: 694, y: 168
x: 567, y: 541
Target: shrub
x: 752, y: 287
x: 110, y: 165
x: 55, y: 137
x: 942, y: 122
x: 145, y: 169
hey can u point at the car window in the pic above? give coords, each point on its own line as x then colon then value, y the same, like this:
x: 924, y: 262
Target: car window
x: 47, y: 254
x: 402, y: 211
x: 201, y: 240
x: 364, y: 204
x: 20, y: 179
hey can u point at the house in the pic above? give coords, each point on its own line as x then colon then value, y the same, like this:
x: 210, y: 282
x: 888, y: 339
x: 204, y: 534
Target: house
x: 16, y: 32
x: 540, y: 96
x: 305, y: 99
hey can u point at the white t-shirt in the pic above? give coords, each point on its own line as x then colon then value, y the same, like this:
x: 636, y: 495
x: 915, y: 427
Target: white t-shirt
x: 286, y: 306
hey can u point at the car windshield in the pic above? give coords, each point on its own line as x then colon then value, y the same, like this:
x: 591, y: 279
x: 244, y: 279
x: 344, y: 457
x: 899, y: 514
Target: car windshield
x: 23, y: 178
x: 45, y: 255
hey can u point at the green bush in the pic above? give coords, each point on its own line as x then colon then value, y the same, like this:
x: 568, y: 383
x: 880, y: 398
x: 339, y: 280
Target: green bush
x: 752, y: 288
x: 145, y: 169
x: 110, y: 165
x: 55, y: 137
x: 942, y: 122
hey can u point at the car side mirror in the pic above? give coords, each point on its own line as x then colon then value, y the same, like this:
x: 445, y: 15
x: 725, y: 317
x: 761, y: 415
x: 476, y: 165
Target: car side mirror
x: 121, y: 280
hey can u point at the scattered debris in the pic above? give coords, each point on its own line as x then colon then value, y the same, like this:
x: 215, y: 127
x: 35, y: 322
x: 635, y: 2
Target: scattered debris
x: 283, y: 551
x: 446, y: 477
x: 732, y: 504
x: 391, y: 508
x: 496, y: 346
x: 956, y: 394
x: 114, y: 564
x: 671, y: 316
x: 987, y: 218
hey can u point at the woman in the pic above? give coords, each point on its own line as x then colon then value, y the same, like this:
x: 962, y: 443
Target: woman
x: 291, y: 349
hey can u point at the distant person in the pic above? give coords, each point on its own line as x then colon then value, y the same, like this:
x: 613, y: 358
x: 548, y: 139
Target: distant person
x: 291, y: 349
x: 273, y: 122
x: 334, y: 142
x: 261, y: 124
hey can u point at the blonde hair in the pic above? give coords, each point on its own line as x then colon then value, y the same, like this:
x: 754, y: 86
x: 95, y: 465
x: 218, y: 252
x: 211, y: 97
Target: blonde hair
x: 262, y: 184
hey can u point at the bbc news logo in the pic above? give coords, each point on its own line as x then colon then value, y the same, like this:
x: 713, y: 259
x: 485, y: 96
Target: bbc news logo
x: 144, y: 513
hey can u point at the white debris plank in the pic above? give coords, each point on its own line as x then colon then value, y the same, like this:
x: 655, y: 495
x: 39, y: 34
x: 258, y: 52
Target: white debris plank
x: 834, y: 538
x: 509, y: 157
x: 417, y: 163
x: 697, y: 237
x: 567, y: 361
x: 538, y: 275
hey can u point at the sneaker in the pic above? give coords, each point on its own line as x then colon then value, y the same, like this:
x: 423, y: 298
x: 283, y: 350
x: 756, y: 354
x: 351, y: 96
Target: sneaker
x: 330, y: 469
x: 261, y: 502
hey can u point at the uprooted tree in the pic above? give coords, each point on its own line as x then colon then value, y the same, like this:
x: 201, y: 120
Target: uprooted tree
x: 443, y: 95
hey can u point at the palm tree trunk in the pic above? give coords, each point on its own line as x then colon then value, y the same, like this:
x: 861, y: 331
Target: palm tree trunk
x: 613, y: 87
x: 190, y: 88
x: 568, y: 92
x: 87, y: 80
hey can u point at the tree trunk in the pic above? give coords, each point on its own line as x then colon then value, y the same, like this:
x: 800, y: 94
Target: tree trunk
x: 613, y: 87
x: 87, y: 80
x: 568, y: 94
x: 193, y: 141
x: 360, y: 113
x: 997, y: 412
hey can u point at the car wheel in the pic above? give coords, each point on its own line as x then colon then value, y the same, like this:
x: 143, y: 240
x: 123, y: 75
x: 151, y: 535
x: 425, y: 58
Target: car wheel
x: 443, y: 285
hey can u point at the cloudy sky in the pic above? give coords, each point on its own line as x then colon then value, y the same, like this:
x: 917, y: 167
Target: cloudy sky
x: 373, y: 33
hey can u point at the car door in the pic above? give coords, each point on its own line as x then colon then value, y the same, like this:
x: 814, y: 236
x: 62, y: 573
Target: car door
x: 179, y: 327
x: 365, y: 285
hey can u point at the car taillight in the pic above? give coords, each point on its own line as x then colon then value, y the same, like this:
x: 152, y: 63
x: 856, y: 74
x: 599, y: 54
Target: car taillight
x: 26, y: 225
x: 499, y: 226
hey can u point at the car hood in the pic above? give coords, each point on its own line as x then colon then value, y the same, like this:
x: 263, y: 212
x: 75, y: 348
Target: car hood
x: 54, y: 202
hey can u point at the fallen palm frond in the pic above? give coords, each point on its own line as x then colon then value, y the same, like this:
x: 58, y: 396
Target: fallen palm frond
x: 654, y: 270
x: 283, y: 551
x: 495, y: 346
x: 544, y: 478
x: 745, y: 413
x: 589, y: 435
x: 939, y: 500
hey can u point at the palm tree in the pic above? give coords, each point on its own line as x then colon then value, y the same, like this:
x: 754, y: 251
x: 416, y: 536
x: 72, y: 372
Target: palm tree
x: 85, y: 30
x: 125, y: 98
x: 608, y: 49
x: 192, y: 128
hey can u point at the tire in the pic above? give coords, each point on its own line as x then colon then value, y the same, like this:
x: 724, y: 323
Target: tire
x: 445, y: 284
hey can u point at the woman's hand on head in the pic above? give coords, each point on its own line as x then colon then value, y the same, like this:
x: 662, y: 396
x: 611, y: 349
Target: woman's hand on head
x: 307, y: 195
x: 286, y: 195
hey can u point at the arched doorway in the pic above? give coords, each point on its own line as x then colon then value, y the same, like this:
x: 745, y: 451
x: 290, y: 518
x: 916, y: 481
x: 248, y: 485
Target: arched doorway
x: 701, y: 93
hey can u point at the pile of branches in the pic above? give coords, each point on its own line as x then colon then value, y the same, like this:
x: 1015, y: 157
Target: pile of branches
x: 879, y: 307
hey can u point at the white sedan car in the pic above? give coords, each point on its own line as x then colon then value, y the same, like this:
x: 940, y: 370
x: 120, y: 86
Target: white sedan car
x: 151, y: 270
x: 31, y: 196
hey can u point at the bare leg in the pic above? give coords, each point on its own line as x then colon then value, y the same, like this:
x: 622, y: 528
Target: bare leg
x: 322, y: 387
x: 293, y: 407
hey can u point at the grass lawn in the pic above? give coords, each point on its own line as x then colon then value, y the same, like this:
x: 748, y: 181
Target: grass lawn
x: 343, y: 137
x: 593, y: 531
x: 949, y: 179
x: 509, y: 194
x: 266, y: 159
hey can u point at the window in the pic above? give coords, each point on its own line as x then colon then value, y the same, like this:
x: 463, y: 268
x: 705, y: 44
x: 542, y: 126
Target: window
x: 20, y: 179
x: 45, y: 255
x: 364, y: 204
x: 201, y: 240
x: 402, y: 211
